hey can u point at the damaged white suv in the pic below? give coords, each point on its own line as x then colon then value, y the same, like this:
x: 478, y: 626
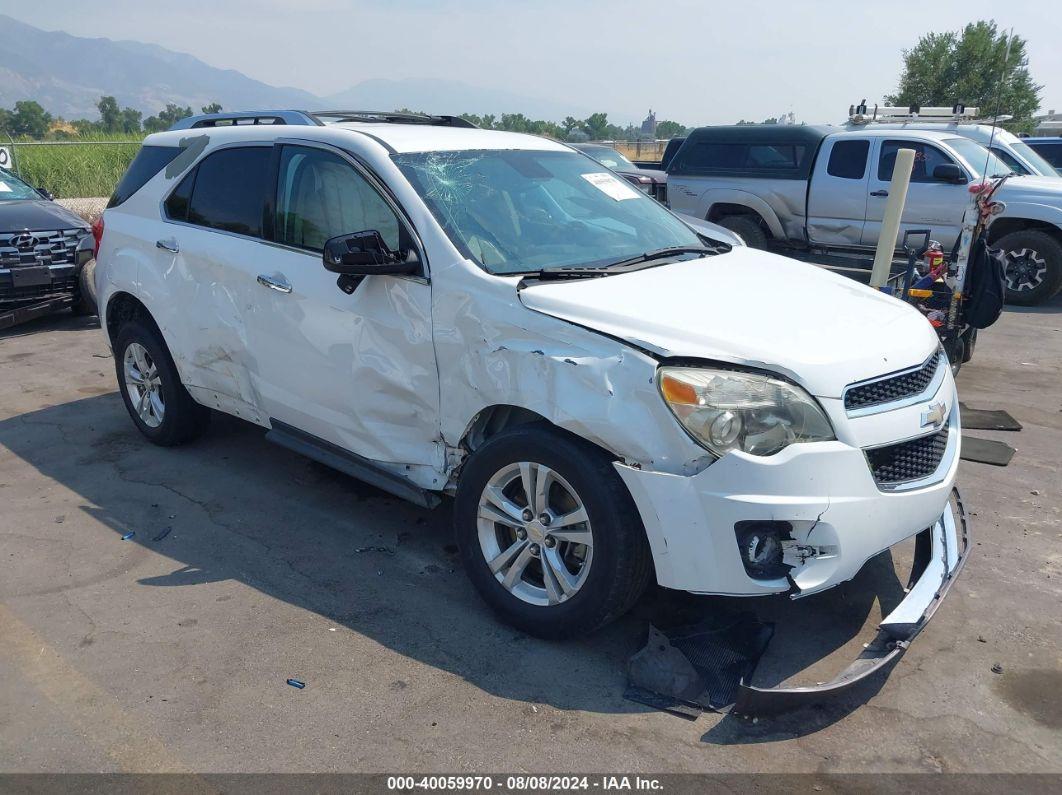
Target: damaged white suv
x: 611, y: 396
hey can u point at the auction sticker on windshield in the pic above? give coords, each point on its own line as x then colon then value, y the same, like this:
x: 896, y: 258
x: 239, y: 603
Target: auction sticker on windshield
x: 611, y: 186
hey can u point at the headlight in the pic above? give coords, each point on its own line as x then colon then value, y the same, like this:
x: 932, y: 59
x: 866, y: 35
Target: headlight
x: 725, y: 410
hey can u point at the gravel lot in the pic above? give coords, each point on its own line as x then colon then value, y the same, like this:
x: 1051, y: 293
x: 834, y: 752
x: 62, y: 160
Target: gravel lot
x: 250, y: 565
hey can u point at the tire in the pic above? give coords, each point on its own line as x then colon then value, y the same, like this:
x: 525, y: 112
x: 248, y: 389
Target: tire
x: 85, y: 304
x: 1034, y: 266
x: 174, y: 418
x: 748, y: 226
x: 602, y: 579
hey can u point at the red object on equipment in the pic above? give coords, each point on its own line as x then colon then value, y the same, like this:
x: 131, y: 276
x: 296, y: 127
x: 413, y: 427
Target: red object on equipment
x: 97, y: 235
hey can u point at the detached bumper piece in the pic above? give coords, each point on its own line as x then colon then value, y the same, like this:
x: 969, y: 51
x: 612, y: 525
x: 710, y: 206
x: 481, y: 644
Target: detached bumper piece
x: 940, y: 554
x: 13, y: 315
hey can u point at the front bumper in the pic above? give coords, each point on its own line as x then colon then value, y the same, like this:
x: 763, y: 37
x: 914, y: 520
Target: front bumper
x: 940, y: 554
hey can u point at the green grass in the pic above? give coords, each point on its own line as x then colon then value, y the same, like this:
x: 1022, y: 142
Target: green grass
x: 89, y: 168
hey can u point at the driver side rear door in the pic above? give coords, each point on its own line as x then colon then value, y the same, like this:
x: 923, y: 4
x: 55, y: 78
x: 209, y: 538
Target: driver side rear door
x: 357, y: 370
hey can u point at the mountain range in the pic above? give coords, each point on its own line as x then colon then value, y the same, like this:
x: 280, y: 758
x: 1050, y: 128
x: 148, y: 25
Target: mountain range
x: 68, y: 74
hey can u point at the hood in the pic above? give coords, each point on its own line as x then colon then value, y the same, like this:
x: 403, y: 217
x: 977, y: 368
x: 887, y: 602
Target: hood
x: 1028, y: 187
x: 37, y: 216
x: 751, y: 308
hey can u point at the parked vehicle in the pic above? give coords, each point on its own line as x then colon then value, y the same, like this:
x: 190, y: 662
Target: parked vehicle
x: 962, y: 121
x: 492, y: 316
x: 1050, y: 149
x: 669, y: 153
x: 652, y: 181
x: 45, y: 255
x: 819, y: 186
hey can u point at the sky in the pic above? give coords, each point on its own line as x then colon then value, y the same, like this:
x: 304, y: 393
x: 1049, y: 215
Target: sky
x: 695, y: 62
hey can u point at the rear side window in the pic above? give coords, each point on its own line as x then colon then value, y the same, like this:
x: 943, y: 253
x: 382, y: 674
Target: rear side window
x: 149, y: 161
x: 177, y: 203
x: 230, y: 190
x: 774, y: 156
x: 848, y: 160
x: 713, y: 156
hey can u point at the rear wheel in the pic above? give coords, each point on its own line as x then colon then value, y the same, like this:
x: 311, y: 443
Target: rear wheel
x: 1033, y: 266
x: 85, y: 303
x: 549, y: 535
x: 152, y: 390
x: 748, y: 227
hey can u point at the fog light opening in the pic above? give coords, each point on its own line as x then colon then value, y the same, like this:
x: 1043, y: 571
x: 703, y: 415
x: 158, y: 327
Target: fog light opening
x: 762, y: 550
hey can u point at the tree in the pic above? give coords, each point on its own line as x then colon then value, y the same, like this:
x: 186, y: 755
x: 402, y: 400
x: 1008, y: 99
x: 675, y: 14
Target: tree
x: 570, y: 123
x: 29, y: 119
x: 965, y: 66
x: 670, y: 129
x: 595, y: 126
x: 110, y: 115
x: 167, y: 117
x: 213, y: 107
x: 129, y: 121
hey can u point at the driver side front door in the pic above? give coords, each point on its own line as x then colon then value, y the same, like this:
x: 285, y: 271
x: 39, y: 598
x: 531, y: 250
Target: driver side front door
x: 355, y: 370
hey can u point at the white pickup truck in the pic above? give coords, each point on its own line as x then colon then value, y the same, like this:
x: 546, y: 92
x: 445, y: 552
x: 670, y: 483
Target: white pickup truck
x: 823, y: 186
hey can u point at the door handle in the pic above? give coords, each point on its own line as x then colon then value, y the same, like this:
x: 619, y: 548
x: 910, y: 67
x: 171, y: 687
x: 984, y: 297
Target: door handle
x: 879, y: 193
x: 168, y: 245
x: 274, y: 283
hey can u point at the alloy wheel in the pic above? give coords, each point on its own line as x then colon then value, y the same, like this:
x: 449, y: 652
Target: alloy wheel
x: 535, y: 534
x: 1025, y: 269
x: 143, y: 385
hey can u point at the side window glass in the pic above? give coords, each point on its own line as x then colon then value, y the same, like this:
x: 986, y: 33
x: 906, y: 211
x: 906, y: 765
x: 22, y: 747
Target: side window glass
x: 1010, y: 160
x: 848, y: 159
x: 177, y: 203
x: 230, y: 190
x: 774, y: 156
x: 926, y: 159
x: 321, y: 196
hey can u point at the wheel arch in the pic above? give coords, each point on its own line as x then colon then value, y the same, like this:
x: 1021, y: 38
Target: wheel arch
x: 123, y: 307
x: 1005, y: 225
x: 722, y: 204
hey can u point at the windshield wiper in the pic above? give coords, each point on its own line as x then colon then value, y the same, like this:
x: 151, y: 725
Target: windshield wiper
x: 625, y: 265
x: 660, y: 253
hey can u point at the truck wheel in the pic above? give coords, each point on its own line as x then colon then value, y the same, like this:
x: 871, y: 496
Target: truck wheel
x: 85, y: 304
x: 152, y: 390
x: 748, y: 227
x: 549, y: 534
x: 1034, y: 266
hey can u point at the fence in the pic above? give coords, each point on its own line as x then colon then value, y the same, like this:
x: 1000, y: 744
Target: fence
x: 72, y: 169
x: 640, y: 150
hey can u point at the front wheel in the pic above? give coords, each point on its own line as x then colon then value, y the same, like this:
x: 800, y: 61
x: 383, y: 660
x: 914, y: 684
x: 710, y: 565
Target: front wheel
x: 748, y: 227
x: 1033, y: 266
x: 549, y: 534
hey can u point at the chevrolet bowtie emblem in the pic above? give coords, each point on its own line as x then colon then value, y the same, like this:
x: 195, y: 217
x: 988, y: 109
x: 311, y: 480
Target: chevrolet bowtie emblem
x: 934, y: 415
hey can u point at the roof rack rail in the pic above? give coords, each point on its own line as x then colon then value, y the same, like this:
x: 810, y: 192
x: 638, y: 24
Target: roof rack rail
x: 314, y: 118
x: 391, y: 117
x: 958, y: 113
x: 240, y: 117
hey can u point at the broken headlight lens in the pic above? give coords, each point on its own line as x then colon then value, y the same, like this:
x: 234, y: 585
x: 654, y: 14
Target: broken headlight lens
x: 726, y: 410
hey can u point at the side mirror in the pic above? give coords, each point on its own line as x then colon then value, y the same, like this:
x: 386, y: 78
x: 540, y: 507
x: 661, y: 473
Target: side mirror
x: 366, y: 254
x: 46, y: 194
x: 949, y: 172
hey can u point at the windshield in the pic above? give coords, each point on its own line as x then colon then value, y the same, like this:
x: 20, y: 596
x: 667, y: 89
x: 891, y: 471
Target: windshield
x: 1040, y: 166
x: 609, y: 157
x: 515, y: 211
x: 976, y: 155
x: 13, y: 189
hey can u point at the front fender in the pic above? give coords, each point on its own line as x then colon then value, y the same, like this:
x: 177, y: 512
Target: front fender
x: 1031, y: 211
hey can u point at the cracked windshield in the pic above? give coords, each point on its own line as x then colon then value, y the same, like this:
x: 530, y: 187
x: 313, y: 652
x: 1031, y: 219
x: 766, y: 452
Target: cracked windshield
x: 517, y: 211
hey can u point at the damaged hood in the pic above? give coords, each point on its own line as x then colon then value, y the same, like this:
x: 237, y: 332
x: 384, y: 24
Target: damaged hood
x: 752, y: 308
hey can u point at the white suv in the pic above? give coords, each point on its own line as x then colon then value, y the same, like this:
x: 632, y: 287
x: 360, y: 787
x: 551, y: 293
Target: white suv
x: 610, y: 396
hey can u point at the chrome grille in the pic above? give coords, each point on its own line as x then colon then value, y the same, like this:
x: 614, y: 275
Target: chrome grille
x: 915, y: 459
x: 892, y: 388
x: 55, y: 247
